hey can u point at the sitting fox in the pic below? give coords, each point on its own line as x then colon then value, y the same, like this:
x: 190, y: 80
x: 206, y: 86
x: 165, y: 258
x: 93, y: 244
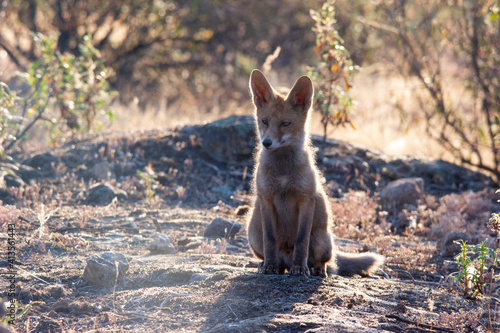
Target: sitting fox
x: 289, y: 227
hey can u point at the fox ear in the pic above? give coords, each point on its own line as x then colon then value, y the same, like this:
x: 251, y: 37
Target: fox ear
x: 261, y: 89
x: 301, y: 94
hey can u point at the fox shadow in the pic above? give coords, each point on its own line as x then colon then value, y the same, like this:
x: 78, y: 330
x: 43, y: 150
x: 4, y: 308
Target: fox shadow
x: 251, y: 301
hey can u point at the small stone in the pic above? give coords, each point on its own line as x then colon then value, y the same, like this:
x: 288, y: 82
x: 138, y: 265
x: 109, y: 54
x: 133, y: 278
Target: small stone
x: 136, y: 240
x: 61, y: 306
x: 45, y: 162
x: 182, y: 242
x: 222, y: 228
x: 101, y: 269
x: 56, y: 291
x: 161, y: 244
x: 13, y: 181
x: 403, y: 191
x: 104, y: 194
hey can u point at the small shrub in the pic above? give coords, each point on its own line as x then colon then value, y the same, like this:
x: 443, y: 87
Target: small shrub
x: 473, y: 274
x: 217, y: 246
x: 148, y: 179
x: 355, y: 215
x: 66, y: 93
x: 457, y: 213
x: 8, y: 214
x: 333, y: 73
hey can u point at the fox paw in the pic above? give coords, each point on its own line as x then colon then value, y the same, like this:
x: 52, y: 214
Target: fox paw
x: 299, y: 270
x: 319, y: 271
x: 268, y: 268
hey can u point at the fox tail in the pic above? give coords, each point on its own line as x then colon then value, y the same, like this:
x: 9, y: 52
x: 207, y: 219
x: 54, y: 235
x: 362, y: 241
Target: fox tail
x: 355, y: 264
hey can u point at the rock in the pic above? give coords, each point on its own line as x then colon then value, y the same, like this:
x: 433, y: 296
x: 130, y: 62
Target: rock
x: 403, y: 191
x: 101, y: 269
x: 74, y: 158
x: 44, y: 162
x: 13, y: 180
x: 104, y: 194
x: 28, y: 173
x: 231, y: 138
x: 56, y: 291
x: 61, y: 306
x: 222, y: 228
x: 10, y: 175
x: 161, y: 244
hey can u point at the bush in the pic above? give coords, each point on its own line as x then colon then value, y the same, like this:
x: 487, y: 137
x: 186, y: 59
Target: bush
x: 432, y: 38
x: 67, y: 93
x: 333, y: 72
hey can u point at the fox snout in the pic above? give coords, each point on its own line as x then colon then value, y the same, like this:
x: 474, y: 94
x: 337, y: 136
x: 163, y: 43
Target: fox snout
x: 267, y: 143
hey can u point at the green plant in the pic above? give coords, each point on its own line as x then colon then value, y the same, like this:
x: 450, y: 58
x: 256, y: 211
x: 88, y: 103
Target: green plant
x: 148, y: 178
x: 8, y: 319
x: 333, y: 72
x: 66, y: 93
x: 473, y: 273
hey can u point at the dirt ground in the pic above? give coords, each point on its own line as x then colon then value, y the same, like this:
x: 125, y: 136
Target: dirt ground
x: 176, y: 182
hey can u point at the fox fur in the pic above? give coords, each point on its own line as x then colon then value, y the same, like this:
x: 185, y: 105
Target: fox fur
x: 290, y: 222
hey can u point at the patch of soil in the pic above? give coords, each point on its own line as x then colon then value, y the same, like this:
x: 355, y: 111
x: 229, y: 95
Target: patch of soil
x: 177, y: 182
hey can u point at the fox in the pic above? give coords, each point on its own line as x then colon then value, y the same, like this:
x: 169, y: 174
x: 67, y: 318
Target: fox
x: 290, y: 220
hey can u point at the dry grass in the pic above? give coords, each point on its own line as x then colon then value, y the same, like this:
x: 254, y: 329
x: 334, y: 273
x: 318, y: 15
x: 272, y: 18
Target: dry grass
x: 463, y: 212
x: 355, y: 217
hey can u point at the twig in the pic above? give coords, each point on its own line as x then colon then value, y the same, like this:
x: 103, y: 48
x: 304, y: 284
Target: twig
x: 232, y: 311
x: 172, y: 296
x: 411, y: 322
x: 384, y: 274
x: 210, y: 165
x: 406, y: 272
x: 38, y: 117
x: 33, y: 275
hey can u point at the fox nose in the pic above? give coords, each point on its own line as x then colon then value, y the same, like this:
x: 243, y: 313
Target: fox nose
x: 267, y: 143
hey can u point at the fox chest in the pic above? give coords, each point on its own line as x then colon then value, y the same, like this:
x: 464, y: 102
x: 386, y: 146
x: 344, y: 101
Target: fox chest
x: 286, y: 185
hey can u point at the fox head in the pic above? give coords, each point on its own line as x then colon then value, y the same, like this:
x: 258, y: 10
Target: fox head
x: 281, y: 121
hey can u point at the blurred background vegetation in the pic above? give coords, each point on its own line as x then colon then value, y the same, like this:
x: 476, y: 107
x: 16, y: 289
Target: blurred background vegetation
x: 429, y: 69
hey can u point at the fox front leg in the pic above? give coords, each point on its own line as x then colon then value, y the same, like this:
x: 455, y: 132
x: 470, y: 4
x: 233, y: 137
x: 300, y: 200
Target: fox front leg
x: 269, y: 220
x: 301, y: 248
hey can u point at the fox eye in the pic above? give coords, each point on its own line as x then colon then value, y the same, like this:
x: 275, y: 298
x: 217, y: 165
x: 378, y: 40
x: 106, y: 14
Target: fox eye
x: 285, y: 124
x: 264, y: 121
